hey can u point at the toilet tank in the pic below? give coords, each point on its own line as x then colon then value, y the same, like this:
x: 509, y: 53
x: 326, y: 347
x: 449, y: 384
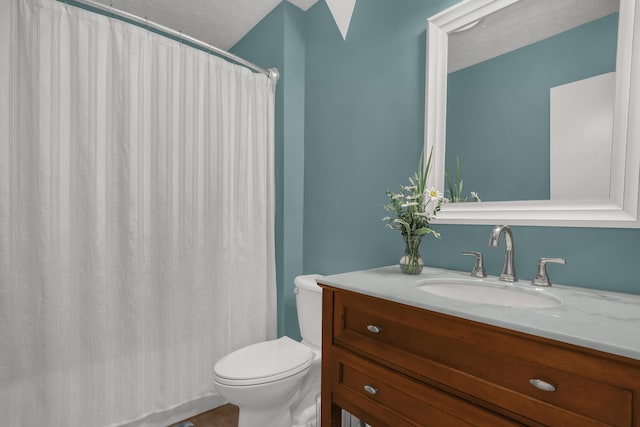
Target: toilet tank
x: 309, y: 307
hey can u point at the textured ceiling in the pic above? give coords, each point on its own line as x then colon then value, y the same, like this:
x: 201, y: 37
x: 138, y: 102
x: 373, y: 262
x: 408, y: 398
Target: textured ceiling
x: 303, y: 4
x: 521, y: 24
x: 221, y: 23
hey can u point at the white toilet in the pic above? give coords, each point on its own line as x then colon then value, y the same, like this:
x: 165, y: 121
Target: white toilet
x: 275, y: 383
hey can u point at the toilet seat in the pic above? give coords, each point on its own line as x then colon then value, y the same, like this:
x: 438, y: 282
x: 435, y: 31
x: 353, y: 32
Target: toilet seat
x: 263, y: 362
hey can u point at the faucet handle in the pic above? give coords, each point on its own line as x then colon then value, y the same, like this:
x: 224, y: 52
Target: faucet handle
x: 542, y: 278
x: 478, y: 268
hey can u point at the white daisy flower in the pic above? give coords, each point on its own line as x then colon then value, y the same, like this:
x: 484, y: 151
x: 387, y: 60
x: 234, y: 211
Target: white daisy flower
x: 406, y: 205
x: 433, y: 194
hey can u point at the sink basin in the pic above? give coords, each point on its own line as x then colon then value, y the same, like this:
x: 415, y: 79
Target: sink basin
x: 485, y: 292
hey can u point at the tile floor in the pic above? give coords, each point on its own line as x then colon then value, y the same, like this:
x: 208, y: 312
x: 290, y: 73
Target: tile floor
x: 223, y: 416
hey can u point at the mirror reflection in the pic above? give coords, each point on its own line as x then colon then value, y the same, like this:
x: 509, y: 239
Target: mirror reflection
x: 530, y: 93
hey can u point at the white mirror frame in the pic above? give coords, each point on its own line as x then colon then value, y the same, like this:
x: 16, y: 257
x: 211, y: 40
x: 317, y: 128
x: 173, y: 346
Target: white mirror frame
x: 620, y: 211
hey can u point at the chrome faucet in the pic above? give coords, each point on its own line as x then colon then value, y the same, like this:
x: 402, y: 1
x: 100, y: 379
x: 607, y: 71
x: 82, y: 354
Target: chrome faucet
x: 508, y: 270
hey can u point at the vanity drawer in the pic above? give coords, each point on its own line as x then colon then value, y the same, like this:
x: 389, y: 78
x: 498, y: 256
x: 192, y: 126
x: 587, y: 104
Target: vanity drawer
x: 488, y: 364
x: 388, y: 391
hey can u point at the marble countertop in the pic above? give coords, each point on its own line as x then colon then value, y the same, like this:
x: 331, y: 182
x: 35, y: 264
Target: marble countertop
x: 605, y: 321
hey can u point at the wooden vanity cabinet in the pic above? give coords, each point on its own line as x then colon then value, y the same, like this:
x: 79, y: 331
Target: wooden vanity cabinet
x: 395, y: 365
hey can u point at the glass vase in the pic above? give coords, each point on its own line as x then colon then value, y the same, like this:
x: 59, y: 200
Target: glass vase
x: 411, y: 262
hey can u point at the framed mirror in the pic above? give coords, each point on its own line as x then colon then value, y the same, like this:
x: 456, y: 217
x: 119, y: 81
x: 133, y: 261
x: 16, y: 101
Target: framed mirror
x: 538, y: 175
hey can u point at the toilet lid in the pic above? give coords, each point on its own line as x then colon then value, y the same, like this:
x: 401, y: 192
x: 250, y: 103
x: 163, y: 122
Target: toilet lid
x: 263, y: 362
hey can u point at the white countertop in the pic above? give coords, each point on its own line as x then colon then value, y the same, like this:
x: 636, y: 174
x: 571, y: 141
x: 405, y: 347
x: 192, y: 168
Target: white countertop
x: 602, y: 320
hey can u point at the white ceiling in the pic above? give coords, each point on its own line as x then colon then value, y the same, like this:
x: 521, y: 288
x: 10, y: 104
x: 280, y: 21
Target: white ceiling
x: 221, y: 23
x: 521, y: 24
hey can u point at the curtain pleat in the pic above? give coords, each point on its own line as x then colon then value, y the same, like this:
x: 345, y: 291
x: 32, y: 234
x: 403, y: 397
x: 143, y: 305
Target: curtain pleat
x: 136, y: 217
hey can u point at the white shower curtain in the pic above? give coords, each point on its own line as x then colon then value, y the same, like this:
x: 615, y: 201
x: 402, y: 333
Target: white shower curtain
x: 136, y: 217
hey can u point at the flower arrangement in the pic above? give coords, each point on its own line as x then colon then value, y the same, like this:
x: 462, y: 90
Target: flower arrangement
x: 413, y: 209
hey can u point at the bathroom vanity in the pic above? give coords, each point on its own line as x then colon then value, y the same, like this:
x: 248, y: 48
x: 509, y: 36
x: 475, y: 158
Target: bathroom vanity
x: 397, y: 355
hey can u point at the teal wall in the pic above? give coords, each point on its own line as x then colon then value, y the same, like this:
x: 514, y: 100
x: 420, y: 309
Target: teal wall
x: 364, y: 128
x: 363, y: 131
x: 499, y: 110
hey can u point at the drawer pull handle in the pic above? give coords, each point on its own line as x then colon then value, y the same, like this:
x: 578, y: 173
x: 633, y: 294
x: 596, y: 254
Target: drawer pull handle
x: 370, y: 390
x: 375, y: 329
x: 542, y: 385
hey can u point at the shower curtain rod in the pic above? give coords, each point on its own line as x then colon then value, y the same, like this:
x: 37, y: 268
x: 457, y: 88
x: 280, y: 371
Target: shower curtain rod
x: 272, y: 73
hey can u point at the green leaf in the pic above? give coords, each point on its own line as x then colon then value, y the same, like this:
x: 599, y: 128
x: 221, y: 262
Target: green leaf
x: 452, y: 193
x: 422, y: 231
x: 405, y: 224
